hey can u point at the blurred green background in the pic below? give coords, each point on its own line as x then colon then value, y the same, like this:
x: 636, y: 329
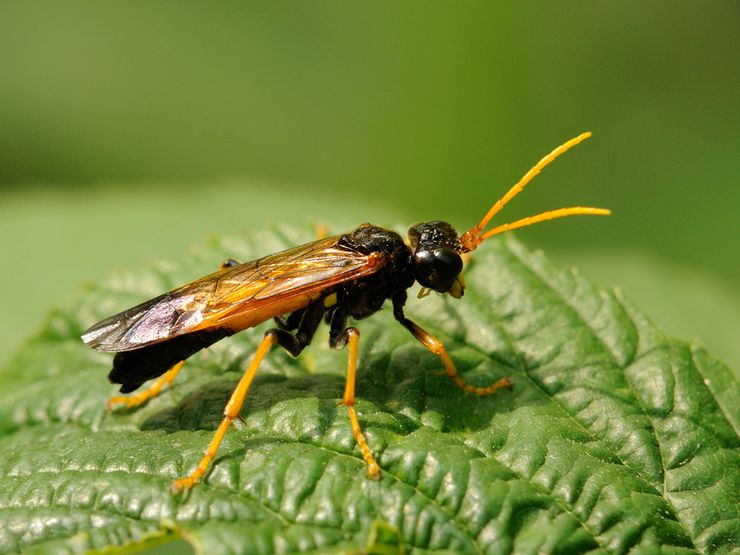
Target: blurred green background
x: 132, y: 130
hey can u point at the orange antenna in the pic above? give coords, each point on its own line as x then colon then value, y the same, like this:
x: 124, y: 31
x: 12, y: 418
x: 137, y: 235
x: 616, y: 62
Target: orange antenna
x: 473, y: 238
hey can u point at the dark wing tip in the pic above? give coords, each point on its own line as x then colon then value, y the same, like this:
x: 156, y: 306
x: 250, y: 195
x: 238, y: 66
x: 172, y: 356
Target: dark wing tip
x: 103, y: 336
x: 150, y: 322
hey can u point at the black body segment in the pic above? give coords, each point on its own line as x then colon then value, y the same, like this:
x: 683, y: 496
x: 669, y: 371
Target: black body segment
x: 364, y: 296
x: 433, y: 235
x: 133, y: 368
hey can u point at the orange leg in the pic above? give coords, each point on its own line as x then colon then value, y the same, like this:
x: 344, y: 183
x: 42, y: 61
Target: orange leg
x: 231, y: 412
x: 435, y: 346
x: 373, y: 469
x: 152, y: 391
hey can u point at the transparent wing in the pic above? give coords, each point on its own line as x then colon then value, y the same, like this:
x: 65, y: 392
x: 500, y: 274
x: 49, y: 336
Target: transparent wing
x: 261, y: 288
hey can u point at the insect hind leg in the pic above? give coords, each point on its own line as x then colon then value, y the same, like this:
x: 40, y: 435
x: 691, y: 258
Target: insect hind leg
x: 294, y: 345
x: 161, y: 360
x: 131, y: 401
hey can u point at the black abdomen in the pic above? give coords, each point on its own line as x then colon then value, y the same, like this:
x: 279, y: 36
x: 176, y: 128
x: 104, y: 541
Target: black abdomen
x: 133, y: 368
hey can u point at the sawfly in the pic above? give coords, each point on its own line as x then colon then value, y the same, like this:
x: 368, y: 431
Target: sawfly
x: 333, y: 279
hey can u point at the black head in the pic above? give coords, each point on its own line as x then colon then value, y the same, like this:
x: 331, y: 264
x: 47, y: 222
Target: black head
x: 436, y: 257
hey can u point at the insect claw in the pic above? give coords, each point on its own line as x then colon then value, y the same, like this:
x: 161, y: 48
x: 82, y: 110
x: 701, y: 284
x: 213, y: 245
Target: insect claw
x: 241, y: 420
x: 181, y: 485
x: 488, y: 390
x: 118, y: 402
x: 373, y: 471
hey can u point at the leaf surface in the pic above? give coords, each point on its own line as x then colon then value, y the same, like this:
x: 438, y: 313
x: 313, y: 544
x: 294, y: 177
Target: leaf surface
x: 614, y: 438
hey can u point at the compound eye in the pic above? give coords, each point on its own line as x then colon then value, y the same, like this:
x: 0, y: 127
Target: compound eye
x: 449, y: 264
x: 437, y: 269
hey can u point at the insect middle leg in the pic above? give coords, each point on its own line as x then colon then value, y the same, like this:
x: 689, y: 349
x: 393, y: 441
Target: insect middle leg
x: 348, y: 400
x: 294, y: 345
x: 436, y: 346
x: 339, y: 336
x: 230, y: 413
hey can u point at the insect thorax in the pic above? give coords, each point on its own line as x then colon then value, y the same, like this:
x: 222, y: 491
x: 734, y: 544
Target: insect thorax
x: 365, y: 296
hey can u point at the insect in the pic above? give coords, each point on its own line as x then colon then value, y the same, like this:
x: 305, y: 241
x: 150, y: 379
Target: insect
x: 334, y: 279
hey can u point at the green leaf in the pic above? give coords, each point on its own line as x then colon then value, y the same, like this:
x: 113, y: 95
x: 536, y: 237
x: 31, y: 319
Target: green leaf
x: 614, y: 438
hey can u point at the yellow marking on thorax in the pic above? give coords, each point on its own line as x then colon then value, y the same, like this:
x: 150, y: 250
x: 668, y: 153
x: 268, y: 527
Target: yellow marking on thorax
x: 330, y: 300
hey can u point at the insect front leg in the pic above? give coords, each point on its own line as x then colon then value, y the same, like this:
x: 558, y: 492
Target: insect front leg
x: 294, y: 345
x: 436, y: 346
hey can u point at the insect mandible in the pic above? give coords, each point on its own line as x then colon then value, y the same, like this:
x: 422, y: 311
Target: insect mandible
x: 335, y: 279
